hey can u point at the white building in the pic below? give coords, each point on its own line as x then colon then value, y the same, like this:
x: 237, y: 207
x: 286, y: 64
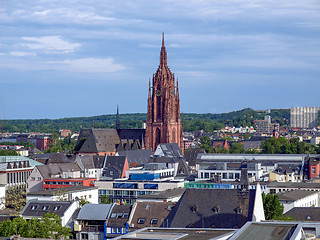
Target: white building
x: 298, y: 198
x: 74, y: 193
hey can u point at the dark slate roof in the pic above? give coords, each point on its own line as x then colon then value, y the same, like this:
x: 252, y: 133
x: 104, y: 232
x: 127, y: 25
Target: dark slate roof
x: 258, y: 138
x: 191, y: 155
x: 38, y: 207
x: 134, y: 134
x: 155, y: 159
x: 91, y: 161
x: 49, y: 171
x: 114, y: 163
x: 163, y: 195
x: 298, y: 185
x: 150, y: 210
x: 137, y: 157
x: 250, y: 144
x: 51, y: 158
x: 212, y: 208
x: 94, y: 212
x: 119, y: 216
x: 98, y: 140
x: 170, y: 149
x: 304, y: 213
x: 294, y: 195
x: 288, y: 168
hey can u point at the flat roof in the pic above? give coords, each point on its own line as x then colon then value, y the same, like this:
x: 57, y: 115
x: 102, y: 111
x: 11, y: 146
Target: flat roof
x: 177, y: 233
x: 267, y: 231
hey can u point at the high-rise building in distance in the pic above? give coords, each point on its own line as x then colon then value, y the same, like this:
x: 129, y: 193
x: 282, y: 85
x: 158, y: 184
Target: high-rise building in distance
x: 304, y: 117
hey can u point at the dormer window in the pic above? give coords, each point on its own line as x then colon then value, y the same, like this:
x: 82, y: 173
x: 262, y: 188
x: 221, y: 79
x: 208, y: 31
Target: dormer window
x: 154, y: 221
x: 216, y: 209
x: 141, y: 220
x: 34, y: 207
x: 238, y: 210
x: 56, y: 208
x: 45, y: 208
x: 194, y: 208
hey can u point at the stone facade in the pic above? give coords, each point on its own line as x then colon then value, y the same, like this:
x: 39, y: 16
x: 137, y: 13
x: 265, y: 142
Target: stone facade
x: 163, y: 120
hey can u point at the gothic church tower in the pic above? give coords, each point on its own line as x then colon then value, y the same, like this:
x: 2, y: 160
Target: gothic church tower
x: 163, y: 119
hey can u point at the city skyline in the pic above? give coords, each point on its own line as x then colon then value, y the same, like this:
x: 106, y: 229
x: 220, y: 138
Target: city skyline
x: 82, y: 59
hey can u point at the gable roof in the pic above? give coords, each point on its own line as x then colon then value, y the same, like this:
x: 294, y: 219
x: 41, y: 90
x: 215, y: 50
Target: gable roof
x: 136, y: 157
x: 97, y: 140
x: 195, y: 210
x: 91, y: 161
x: 191, y: 155
x: 294, y: 195
x: 119, y: 216
x: 49, y: 171
x: 94, y: 212
x: 35, y: 208
x: 304, y: 213
x: 168, y: 150
x: 149, y: 211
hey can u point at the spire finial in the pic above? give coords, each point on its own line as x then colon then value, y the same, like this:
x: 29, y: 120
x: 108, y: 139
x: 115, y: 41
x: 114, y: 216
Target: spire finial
x: 163, y: 53
x: 117, y: 118
x: 162, y: 39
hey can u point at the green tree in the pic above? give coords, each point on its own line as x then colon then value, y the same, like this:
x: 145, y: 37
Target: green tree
x: 205, y: 143
x: 83, y: 202
x: 105, y: 199
x: 272, y: 207
x: 236, y: 147
x: 16, y: 198
x: 8, y: 153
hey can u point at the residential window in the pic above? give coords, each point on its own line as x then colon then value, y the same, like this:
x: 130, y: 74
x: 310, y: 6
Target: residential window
x: 119, y: 215
x: 313, y: 170
x: 237, y: 175
x: 230, y: 175
x: 224, y: 175
x: 206, y: 175
x: 44, y: 208
x: 141, y: 220
x: 111, y: 173
x: 113, y: 215
x: 39, y: 178
x: 125, y: 215
x: 154, y: 221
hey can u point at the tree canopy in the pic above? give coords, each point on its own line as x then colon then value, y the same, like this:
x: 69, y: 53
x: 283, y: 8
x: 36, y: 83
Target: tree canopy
x: 273, y: 209
x: 282, y: 145
x: 49, y: 226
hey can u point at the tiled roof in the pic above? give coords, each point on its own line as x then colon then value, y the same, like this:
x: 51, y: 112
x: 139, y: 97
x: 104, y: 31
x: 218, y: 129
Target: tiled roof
x: 39, y: 208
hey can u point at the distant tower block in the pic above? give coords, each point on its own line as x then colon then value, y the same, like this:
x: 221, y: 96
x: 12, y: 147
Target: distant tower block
x: 163, y: 118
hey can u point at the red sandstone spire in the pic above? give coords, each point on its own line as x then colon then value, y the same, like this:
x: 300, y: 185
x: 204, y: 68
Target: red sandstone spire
x: 163, y: 53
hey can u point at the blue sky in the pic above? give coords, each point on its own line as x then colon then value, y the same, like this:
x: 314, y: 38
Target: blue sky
x: 82, y: 58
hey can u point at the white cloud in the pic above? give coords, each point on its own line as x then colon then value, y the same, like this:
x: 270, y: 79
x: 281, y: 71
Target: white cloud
x: 94, y: 65
x: 89, y: 65
x: 50, y: 44
x: 22, y: 54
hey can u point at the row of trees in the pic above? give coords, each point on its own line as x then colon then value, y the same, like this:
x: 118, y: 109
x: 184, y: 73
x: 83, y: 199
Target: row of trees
x: 272, y: 145
x: 282, y: 145
x: 49, y: 226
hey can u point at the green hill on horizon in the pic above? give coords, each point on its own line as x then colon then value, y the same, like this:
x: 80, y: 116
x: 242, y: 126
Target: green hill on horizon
x: 190, y: 121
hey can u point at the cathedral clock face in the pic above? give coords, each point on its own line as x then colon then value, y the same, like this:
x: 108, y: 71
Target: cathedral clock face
x: 158, y: 93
